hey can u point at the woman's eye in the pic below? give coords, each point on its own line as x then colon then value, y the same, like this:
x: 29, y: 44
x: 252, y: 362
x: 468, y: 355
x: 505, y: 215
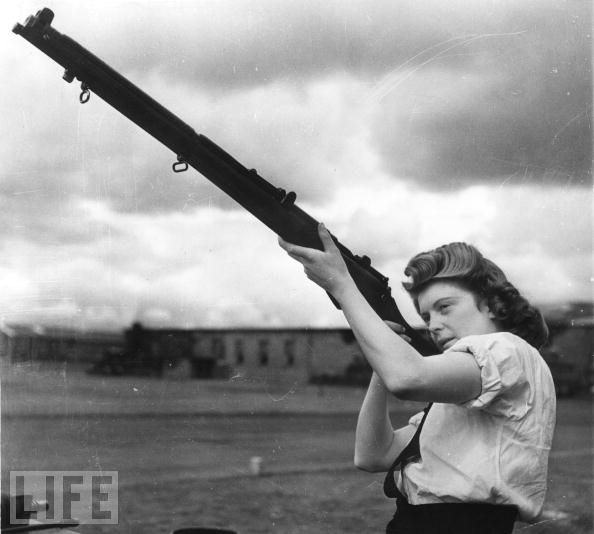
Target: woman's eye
x: 444, y: 307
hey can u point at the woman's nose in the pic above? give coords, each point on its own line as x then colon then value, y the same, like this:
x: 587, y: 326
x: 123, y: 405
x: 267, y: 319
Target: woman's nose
x: 434, y: 324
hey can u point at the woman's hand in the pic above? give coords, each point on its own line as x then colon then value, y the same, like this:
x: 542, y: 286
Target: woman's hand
x: 399, y: 329
x: 324, y: 267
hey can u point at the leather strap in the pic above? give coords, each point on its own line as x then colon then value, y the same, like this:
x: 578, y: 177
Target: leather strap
x: 410, y: 453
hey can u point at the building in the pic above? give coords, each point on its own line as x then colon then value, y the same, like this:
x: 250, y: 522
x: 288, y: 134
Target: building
x: 28, y: 344
x: 297, y: 354
x: 272, y: 354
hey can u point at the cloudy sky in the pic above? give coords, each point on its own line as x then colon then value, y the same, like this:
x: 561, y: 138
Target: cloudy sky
x: 402, y: 125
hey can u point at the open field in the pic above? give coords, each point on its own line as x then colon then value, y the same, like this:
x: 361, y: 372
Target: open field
x: 182, y: 450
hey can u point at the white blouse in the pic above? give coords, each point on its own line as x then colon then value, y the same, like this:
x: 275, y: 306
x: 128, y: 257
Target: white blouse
x: 493, y: 448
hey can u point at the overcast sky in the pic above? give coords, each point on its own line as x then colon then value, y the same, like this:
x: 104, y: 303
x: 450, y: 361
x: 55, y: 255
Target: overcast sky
x: 402, y: 125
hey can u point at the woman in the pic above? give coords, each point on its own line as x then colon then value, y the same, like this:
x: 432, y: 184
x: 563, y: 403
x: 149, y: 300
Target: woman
x: 480, y: 460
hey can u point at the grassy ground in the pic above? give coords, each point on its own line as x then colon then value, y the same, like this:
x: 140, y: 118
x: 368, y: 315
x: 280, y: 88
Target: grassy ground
x: 31, y: 390
x: 182, y: 450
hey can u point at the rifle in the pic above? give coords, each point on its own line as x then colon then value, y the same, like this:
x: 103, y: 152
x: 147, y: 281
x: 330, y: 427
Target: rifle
x: 274, y: 206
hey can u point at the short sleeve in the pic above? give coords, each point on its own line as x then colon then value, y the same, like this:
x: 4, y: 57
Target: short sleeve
x: 504, y: 385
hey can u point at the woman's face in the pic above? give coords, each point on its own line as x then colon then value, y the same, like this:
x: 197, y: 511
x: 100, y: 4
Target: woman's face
x: 452, y: 312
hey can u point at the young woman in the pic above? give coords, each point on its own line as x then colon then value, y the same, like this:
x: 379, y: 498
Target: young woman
x: 480, y: 461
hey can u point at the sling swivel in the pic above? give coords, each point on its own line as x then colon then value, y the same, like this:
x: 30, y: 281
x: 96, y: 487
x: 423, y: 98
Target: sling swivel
x: 180, y: 165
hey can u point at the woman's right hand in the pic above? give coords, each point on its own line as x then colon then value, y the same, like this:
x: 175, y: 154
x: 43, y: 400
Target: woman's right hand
x: 324, y: 267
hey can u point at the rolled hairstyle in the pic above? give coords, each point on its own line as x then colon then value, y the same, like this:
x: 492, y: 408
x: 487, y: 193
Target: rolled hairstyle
x: 465, y: 265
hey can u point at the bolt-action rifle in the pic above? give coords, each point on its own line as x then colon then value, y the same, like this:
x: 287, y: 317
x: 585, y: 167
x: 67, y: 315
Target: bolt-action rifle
x: 273, y: 206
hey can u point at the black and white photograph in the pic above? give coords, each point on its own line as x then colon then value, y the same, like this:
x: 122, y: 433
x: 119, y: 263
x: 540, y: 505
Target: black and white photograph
x: 296, y: 266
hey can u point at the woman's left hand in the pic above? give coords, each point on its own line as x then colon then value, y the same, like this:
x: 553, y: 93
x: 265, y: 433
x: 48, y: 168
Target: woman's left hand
x: 324, y: 267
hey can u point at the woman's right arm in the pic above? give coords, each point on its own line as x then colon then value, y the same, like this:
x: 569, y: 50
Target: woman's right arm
x: 377, y: 444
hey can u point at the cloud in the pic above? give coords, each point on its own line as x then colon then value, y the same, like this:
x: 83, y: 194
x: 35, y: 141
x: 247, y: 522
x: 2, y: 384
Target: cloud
x: 446, y: 96
x: 228, y: 45
x: 290, y: 134
x: 521, y: 109
x: 216, y: 267
x: 209, y: 267
x: 402, y: 125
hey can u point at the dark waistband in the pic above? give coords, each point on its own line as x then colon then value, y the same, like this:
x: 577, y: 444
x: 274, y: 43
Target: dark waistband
x: 446, y: 518
x: 480, y: 511
x: 403, y: 503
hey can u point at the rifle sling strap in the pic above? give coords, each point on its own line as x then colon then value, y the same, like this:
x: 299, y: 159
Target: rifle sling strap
x: 410, y: 453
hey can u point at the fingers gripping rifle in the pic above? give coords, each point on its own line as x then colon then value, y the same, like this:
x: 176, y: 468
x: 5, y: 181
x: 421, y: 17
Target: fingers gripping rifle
x: 273, y: 206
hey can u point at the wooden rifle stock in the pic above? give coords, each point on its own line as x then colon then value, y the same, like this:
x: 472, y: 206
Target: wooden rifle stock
x: 273, y: 206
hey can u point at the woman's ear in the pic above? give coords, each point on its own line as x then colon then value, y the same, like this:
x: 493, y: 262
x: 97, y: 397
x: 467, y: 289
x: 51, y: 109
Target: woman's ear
x: 484, y: 308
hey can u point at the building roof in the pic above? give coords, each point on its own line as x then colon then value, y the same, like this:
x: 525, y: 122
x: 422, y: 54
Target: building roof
x: 19, y: 330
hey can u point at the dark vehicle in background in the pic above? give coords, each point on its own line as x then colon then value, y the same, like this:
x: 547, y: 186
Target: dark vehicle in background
x: 568, y: 376
x: 570, y: 354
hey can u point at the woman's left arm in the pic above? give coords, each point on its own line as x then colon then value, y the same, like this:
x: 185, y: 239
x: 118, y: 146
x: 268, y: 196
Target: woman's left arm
x: 407, y: 374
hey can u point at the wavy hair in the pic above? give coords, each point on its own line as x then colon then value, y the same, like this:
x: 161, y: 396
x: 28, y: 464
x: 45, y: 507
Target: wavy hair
x: 464, y: 264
